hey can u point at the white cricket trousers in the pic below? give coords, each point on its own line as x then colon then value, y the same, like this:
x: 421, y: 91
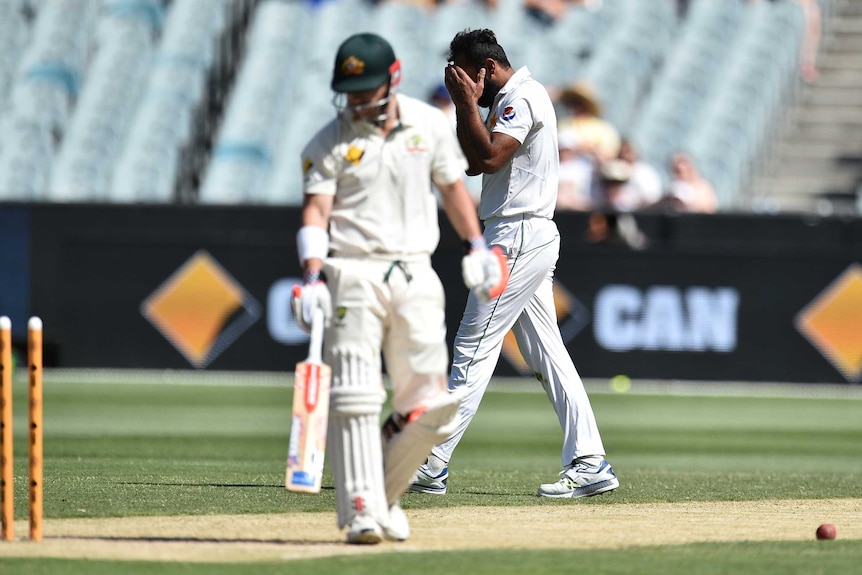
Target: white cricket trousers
x: 527, y: 308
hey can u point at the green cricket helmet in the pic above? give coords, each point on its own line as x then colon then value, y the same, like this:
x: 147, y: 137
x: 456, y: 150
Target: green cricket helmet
x: 365, y: 62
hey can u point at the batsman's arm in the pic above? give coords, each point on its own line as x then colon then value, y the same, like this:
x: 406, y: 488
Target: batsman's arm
x: 316, y: 209
x: 312, y: 242
x: 460, y: 209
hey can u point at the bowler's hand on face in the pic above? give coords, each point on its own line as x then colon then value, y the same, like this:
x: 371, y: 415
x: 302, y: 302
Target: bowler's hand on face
x: 461, y: 87
x: 480, y: 80
x: 450, y: 76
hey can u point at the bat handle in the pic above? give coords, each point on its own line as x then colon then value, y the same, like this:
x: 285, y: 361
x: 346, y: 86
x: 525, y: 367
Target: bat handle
x: 315, y: 346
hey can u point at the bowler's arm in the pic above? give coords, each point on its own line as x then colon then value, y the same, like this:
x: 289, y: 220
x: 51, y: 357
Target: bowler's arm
x: 486, y: 151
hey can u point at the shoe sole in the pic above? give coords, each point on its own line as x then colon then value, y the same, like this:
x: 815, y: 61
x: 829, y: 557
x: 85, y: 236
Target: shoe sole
x: 367, y: 537
x: 390, y: 535
x: 416, y: 488
x: 586, y: 491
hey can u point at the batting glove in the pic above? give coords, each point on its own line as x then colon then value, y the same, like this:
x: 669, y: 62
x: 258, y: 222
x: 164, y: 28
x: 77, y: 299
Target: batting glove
x: 305, y: 298
x: 485, y: 271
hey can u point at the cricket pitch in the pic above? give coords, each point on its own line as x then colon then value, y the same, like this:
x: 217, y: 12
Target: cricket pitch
x: 281, y: 537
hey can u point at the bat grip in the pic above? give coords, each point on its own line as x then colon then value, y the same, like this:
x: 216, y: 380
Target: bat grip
x: 315, y: 346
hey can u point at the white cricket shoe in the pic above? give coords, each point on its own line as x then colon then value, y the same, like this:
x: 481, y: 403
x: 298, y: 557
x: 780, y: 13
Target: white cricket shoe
x: 398, y: 528
x: 431, y: 477
x: 364, y: 530
x: 582, y: 479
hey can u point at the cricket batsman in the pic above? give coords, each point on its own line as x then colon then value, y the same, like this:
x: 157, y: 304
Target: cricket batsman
x: 369, y: 227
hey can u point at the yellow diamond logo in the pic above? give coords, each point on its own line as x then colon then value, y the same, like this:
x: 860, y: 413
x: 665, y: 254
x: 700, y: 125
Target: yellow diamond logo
x: 832, y: 322
x: 572, y: 317
x: 201, y: 309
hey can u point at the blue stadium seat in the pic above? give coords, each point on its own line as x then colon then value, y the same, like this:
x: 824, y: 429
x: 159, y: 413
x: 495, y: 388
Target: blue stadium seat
x: 626, y: 59
x: 285, y: 185
x: 103, y: 98
x: 82, y: 168
x: 248, y: 138
x: 748, y: 98
x: 682, y: 86
x: 42, y: 94
x: 147, y: 168
x: 401, y: 24
x: 573, y: 38
x: 14, y: 37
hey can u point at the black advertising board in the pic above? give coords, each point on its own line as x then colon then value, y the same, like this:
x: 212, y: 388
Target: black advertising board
x: 95, y: 269
x: 727, y: 297
x: 15, y: 267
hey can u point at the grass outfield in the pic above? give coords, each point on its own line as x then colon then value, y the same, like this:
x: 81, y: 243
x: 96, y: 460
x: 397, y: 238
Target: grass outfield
x: 129, y: 450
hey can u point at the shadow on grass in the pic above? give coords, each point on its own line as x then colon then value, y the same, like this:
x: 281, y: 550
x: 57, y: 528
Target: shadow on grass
x: 187, y: 484
x: 219, y: 540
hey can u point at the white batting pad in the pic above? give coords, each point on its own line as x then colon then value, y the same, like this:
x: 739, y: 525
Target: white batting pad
x: 356, y: 454
x: 406, y: 450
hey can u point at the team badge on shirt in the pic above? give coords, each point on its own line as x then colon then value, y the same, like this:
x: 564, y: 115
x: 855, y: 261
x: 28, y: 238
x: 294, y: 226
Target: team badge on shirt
x: 353, y: 155
x: 340, y: 312
x: 508, y: 114
x: 414, y: 144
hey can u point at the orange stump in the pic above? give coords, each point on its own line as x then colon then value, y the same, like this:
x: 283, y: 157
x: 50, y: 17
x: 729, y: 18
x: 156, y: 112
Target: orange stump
x: 34, y: 360
x: 7, y: 477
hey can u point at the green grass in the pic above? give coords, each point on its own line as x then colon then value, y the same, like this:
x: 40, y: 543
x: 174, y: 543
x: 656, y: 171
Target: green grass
x: 780, y: 558
x: 135, y: 449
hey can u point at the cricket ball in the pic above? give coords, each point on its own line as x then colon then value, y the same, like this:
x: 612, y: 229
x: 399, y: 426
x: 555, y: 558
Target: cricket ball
x: 826, y: 531
x: 621, y: 383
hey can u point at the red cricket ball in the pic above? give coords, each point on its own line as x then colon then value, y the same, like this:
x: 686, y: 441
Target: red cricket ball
x: 826, y: 531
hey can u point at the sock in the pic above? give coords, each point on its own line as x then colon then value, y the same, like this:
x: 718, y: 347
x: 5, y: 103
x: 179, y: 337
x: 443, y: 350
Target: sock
x: 590, y: 460
x: 435, y: 464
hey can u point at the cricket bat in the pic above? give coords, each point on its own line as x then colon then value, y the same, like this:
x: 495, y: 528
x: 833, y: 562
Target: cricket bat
x: 310, y: 416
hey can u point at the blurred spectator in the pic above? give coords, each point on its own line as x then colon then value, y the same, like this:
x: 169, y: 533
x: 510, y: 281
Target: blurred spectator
x: 643, y: 187
x: 428, y: 5
x: 682, y: 8
x: 810, y: 39
x: 612, y: 222
x: 432, y: 4
x: 587, y: 141
x: 613, y: 229
x: 576, y: 174
x: 439, y: 97
x: 583, y: 113
x: 549, y: 11
x: 688, y: 191
x: 614, y: 177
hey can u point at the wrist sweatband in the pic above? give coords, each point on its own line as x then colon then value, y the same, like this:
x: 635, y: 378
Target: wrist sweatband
x: 312, y: 242
x: 475, y: 243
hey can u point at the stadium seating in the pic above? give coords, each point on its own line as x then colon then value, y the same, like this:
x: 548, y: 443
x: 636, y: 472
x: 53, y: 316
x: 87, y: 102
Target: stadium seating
x: 628, y: 57
x: 247, y: 141
x: 115, y: 100
x: 751, y: 93
x: 307, y: 101
x: 82, y: 168
x: 42, y: 94
x: 148, y: 167
x: 15, y: 32
x: 574, y: 38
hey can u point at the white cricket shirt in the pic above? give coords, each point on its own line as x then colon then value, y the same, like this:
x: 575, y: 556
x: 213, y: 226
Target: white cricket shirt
x: 384, y: 200
x: 528, y: 183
